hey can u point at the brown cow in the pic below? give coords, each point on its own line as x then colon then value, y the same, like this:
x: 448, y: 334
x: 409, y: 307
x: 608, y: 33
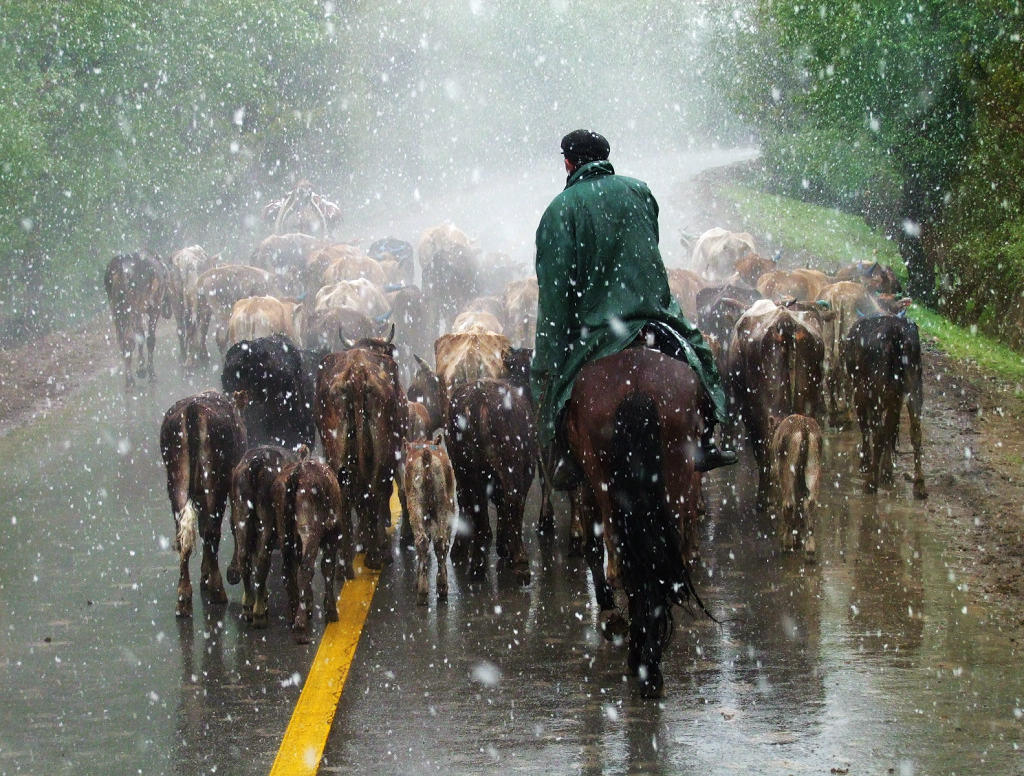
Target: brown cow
x: 751, y: 267
x: 311, y: 518
x: 361, y: 416
x: 184, y: 268
x: 684, y: 286
x: 359, y: 294
x: 353, y: 267
x: 492, y: 444
x: 775, y: 364
x: 430, y: 487
x: 136, y: 286
x: 883, y: 358
x: 252, y: 522
x: 417, y: 430
x: 468, y: 356
x: 448, y: 261
x: 795, y: 455
x: 217, y: 290
x: 873, y: 276
x: 261, y: 316
x: 520, y: 302
x: 802, y: 285
x: 202, y: 438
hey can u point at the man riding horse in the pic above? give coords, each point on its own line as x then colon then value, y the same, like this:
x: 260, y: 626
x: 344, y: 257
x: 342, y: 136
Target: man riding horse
x: 603, y: 288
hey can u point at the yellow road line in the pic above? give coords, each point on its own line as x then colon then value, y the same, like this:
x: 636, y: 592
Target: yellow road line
x: 303, y: 744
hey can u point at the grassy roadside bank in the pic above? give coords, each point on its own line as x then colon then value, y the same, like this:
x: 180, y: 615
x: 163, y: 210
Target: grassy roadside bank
x: 828, y: 238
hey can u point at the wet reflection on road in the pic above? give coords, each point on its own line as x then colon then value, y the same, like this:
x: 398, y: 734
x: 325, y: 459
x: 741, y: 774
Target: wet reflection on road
x: 864, y: 661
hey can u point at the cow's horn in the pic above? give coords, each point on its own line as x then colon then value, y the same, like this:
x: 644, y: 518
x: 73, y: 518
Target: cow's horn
x: 391, y: 334
x: 345, y: 343
x: 421, y: 362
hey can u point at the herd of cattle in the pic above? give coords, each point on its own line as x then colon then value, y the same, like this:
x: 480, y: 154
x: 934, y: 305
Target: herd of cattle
x: 325, y: 342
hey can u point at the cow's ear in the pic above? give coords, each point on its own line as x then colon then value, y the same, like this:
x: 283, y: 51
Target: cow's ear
x: 391, y: 334
x: 302, y: 451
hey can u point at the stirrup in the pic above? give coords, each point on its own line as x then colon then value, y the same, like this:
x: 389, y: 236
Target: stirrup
x: 712, y: 458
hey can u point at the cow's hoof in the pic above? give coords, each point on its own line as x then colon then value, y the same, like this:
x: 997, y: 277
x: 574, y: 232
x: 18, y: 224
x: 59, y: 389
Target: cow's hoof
x: 184, y: 608
x: 330, y: 612
x: 233, y: 575
x: 217, y: 596
x: 870, y: 487
x: 260, y: 621
x: 422, y: 598
x: 301, y: 636
x: 521, y: 571
x: 575, y: 547
x: 612, y: 625
x: 919, y: 490
x: 442, y: 595
x: 247, y: 614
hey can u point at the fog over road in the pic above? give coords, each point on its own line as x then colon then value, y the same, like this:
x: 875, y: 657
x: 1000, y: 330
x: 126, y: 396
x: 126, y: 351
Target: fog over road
x: 868, y: 661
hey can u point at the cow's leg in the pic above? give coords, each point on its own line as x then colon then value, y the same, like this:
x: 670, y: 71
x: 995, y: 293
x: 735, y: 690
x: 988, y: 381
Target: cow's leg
x: 441, y: 542
x: 302, y: 573
x: 331, y: 572
x: 864, y: 423
x: 261, y: 569
x: 914, y: 413
x: 210, y: 520
x: 510, y: 522
x: 405, y: 531
x: 154, y: 316
x: 464, y: 524
x: 885, y: 442
x: 422, y: 567
x: 184, y: 605
x: 126, y: 345
x: 378, y: 552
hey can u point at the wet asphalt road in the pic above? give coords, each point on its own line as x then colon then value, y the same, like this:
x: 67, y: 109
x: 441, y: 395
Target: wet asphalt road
x: 864, y: 662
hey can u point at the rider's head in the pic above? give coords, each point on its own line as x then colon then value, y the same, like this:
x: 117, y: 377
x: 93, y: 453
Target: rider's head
x: 581, y: 146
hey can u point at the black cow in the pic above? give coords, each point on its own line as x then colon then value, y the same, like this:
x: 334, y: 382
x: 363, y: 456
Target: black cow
x: 278, y: 387
x: 882, y: 354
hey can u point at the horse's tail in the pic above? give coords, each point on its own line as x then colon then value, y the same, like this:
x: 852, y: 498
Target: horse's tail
x: 649, y: 541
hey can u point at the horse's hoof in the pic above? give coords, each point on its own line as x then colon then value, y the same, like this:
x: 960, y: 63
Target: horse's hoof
x: 373, y: 561
x: 330, y: 611
x: 612, y: 625
x: 575, y: 547
x: 652, y: 683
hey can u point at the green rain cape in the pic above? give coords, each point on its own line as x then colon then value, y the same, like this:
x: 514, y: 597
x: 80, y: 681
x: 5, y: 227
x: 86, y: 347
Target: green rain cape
x: 601, y: 279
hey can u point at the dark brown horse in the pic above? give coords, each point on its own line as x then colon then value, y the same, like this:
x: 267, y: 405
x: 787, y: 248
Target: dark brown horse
x: 633, y: 424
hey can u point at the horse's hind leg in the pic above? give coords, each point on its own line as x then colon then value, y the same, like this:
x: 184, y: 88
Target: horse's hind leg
x: 610, y: 621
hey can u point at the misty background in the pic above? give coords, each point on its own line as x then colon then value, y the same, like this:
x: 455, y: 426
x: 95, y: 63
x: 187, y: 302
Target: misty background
x: 126, y: 126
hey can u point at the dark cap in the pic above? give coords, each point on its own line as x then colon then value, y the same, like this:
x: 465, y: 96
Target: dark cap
x: 582, y: 145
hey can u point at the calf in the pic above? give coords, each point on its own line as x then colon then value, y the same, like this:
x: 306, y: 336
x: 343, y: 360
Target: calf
x: 882, y: 354
x: 202, y: 438
x: 252, y: 524
x: 430, y: 490
x: 492, y: 444
x: 136, y: 286
x: 277, y: 387
x: 795, y: 454
x: 311, y: 518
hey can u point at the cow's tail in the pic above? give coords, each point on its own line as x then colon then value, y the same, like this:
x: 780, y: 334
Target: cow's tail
x: 188, y: 517
x: 655, y: 575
